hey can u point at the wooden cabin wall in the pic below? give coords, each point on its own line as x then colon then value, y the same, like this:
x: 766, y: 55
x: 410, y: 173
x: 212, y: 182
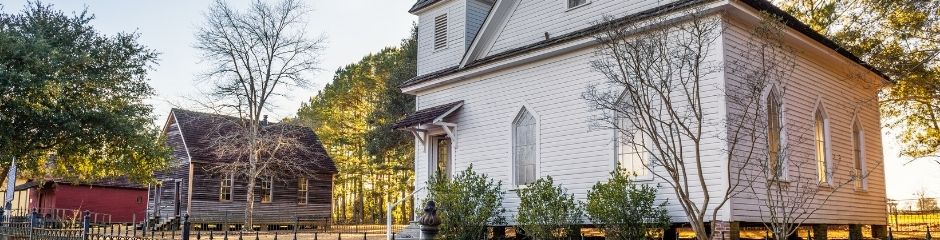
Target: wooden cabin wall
x: 206, y: 206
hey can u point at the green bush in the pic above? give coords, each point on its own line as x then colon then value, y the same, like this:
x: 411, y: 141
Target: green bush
x: 624, y: 209
x: 467, y: 204
x: 546, y: 211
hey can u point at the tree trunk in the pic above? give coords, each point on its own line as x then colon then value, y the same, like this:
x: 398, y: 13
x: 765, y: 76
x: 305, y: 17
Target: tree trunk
x: 250, y: 210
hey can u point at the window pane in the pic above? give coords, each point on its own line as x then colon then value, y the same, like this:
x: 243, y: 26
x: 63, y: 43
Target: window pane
x: 302, y: 188
x: 225, y: 187
x: 821, y: 147
x: 632, y: 157
x: 774, y: 163
x: 266, y: 189
x: 524, y: 148
x: 443, y: 156
x: 857, y: 152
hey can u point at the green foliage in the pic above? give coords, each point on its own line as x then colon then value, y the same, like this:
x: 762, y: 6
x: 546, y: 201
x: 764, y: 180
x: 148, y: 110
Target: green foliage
x: 467, y: 204
x: 547, y: 211
x: 624, y: 209
x: 352, y: 115
x: 384, y: 141
x: 901, y: 38
x: 71, y: 98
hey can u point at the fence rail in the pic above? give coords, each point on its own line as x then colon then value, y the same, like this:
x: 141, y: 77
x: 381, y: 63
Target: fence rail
x: 36, y: 225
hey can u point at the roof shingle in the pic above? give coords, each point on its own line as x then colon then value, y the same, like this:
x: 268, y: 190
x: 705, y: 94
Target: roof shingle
x: 198, y: 130
x: 426, y: 115
x: 422, y: 4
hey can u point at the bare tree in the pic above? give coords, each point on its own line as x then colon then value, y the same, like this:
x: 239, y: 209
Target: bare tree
x: 654, y: 96
x: 254, y: 56
x: 655, y: 93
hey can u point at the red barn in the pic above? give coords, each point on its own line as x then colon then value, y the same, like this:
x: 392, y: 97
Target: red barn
x: 114, y: 201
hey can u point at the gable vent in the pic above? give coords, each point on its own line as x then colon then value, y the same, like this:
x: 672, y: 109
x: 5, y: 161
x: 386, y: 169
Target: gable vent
x: 440, y: 32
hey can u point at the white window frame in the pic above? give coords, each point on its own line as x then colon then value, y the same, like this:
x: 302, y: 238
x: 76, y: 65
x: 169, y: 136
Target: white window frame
x: 820, y: 112
x: 858, y: 155
x: 433, y: 156
x: 437, y: 46
x: 512, y: 143
x: 230, y: 178
x: 570, y: 7
x: 270, y: 189
x: 303, y: 186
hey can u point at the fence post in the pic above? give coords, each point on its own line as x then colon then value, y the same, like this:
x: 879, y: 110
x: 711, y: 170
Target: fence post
x: 34, y: 218
x: 134, y: 224
x: 186, y: 224
x: 86, y: 224
x: 296, y: 224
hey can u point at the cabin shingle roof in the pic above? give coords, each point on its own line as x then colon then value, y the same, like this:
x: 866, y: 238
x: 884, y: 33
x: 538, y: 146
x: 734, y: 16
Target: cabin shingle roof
x: 426, y: 115
x: 198, y: 130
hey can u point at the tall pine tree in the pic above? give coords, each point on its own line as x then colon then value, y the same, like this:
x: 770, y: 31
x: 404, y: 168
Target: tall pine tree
x: 353, y: 116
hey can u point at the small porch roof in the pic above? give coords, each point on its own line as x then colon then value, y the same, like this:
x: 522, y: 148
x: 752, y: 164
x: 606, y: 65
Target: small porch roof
x: 428, y: 115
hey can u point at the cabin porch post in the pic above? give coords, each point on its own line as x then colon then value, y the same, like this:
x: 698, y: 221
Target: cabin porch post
x: 820, y: 231
x: 855, y: 231
x: 879, y: 231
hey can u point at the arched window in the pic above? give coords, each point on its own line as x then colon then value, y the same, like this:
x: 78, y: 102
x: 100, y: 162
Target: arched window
x: 822, y: 145
x: 774, y: 159
x: 858, y: 144
x: 523, y: 145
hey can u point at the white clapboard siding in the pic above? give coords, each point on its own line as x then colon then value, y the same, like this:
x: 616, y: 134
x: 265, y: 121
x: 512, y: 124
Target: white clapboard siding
x: 531, y: 19
x: 834, y: 81
x: 429, y: 59
x: 476, y: 14
x: 569, y: 150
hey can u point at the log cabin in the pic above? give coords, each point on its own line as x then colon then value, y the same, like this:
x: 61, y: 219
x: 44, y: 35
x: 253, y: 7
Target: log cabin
x: 193, y: 186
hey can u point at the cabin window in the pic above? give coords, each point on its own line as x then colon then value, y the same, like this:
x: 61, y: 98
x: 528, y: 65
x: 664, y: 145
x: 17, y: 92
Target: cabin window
x: 440, y: 32
x: 441, y: 157
x: 267, y: 189
x: 524, y: 145
x: 225, y: 187
x: 775, y: 163
x: 858, y: 143
x: 302, y: 188
x: 576, y: 3
x: 822, y: 145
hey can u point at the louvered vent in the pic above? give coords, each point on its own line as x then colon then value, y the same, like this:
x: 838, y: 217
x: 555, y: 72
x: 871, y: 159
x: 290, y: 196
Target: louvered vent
x: 440, y: 32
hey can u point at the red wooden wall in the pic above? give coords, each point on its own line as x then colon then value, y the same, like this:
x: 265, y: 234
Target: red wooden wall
x: 123, y: 204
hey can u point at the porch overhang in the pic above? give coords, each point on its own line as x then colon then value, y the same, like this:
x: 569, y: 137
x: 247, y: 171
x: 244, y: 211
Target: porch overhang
x: 422, y: 121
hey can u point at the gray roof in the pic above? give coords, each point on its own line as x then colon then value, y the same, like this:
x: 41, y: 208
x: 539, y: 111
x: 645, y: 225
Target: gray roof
x: 422, y: 4
x: 426, y: 115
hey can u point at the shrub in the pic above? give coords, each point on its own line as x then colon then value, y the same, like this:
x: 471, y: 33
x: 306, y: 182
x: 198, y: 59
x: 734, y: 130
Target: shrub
x: 546, y: 211
x: 624, y: 209
x: 467, y: 204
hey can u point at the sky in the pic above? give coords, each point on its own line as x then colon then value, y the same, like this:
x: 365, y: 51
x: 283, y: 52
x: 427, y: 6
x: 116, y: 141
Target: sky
x: 353, y: 29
